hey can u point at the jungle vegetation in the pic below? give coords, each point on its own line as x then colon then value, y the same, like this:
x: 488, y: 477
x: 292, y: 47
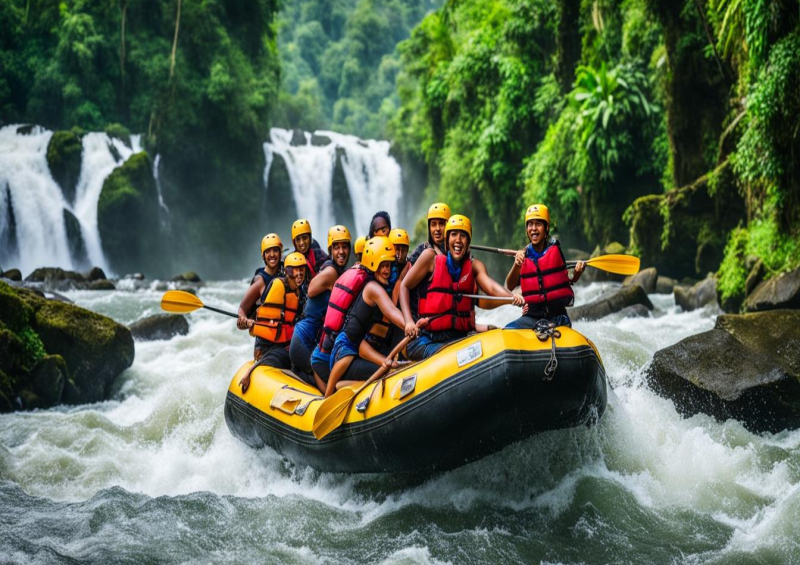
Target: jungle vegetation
x: 670, y: 127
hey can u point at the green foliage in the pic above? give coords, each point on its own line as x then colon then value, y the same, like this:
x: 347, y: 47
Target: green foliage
x: 762, y: 238
x: 605, y: 101
x: 339, y: 62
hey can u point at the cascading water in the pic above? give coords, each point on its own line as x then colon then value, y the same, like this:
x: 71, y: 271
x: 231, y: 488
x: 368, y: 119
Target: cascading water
x: 164, y: 213
x: 31, y: 203
x: 36, y: 203
x: 373, y: 177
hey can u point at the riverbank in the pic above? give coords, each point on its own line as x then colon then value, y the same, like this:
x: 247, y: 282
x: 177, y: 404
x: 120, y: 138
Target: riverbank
x: 154, y: 474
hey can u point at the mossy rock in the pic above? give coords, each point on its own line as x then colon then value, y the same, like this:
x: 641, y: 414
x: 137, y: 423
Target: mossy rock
x: 128, y: 215
x: 12, y: 275
x: 120, y: 132
x: 188, y: 276
x: 64, y: 153
x: 48, y: 378
x: 95, y: 348
x: 15, y: 313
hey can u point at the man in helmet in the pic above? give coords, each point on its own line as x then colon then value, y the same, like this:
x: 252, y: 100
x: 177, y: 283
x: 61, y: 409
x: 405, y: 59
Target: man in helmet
x: 450, y: 276
x: 352, y: 357
x: 541, y: 270
x: 307, y: 330
x: 438, y: 214
x: 273, y: 325
x: 271, y: 252
x: 305, y: 245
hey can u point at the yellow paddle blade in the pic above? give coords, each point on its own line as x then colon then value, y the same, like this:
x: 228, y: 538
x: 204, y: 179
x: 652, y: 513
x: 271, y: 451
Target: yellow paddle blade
x: 617, y: 264
x: 332, y: 411
x: 180, y: 302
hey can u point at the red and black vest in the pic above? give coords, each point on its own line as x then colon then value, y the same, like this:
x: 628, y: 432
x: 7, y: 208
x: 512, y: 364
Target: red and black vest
x: 344, y: 293
x: 545, y: 281
x: 443, y: 296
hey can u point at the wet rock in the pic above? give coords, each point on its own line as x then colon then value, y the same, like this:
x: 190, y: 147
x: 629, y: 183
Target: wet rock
x: 298, y: 138
x: 64, y: 154
x: 159, y: 326
x: 103, y: 284
x: 757, y: 273
x: 697, y: 296
x: 53, y: 352
x: 635, y: 311
x: 95, y: 348
x: 48, y: 378
x: 782, y: 291
x: 188, y: 276
x: 320, y: 140
x: 75, y: 242
x: 45, y: 274
x: 645, y: 278
x: 665, y: 285
x: 26, y: 129
x: 12, y: 275
x: 606, y: 305
x: 96, y: 274
x: 747, y: 368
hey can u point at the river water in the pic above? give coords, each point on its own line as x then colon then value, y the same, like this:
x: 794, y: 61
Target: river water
x: 154, y: 476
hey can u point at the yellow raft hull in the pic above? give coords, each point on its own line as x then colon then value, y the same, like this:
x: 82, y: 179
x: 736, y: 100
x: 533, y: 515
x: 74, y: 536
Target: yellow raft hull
x: 471, y: 399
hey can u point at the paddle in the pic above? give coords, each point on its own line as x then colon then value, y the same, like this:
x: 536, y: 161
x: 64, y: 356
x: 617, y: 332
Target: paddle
x: 617, y: 264
x: 333, y: 409
x: 181, y: 302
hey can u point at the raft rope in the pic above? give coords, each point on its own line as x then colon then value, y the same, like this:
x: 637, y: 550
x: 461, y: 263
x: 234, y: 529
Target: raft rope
x: 546, y: 329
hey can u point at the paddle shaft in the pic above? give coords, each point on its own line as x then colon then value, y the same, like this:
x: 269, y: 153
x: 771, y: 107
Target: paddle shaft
x: 218, y: 311
x: 509, y: 252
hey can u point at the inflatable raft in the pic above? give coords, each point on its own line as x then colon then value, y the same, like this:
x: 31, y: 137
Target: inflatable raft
x: 469, y: 400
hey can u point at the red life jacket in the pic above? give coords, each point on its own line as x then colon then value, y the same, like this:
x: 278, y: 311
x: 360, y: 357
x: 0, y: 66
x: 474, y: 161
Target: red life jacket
x: 311, y: 263
x: 344, y: 293
x: 441, y: 298
x: 545, y: 281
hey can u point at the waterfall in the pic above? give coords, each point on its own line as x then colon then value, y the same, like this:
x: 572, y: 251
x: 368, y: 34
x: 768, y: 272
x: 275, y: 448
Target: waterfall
x: 33, y: 232
x: 98, y: 161
x: 31, y: 203
x: 373, y: 176
x: 164, y: 213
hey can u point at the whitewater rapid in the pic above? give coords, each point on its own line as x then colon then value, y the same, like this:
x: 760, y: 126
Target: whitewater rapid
x: 156, y: 475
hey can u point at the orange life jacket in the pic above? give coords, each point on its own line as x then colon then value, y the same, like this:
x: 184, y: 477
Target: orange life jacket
x: 545, y: 281
x: 443, y: 296
x: 344, y: 293
x: 276, y: 316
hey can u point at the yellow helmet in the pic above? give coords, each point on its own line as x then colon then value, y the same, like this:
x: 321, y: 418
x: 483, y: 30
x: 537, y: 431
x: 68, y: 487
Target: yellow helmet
x: 338, y: 233
x: 299, y: 227
x: 458, y: 222
x: 376, y: 251
x: 360, y: 242
x: 538, y: 212
x: 295, y: 259
x: 271, y: 240
x: 439, y: 210
x: 399, y: 236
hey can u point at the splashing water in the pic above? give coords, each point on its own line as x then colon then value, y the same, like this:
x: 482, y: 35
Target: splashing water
x: 155, y: 476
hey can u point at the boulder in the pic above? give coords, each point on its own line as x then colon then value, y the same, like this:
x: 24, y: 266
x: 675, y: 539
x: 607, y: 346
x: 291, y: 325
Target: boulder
x: 96, y: 274
x: 645, y: 278
x: 320, y: 140
x: 12, y: 275
x: 54, y: 274
x: 782, y: 291
x: 756, y: 275
x: 188, y: 276
x: 665, y: 285
x: 128, y: 216
x: 159, y: 326
x: 298, y: 138
x: 102, y: 284
x: 635, y: 311
x: 747, y: 368
x: 697, y: 296
x: 53, y: 352
x: 606, y: 305
x: 95, y: 348
x: 64, y: 155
